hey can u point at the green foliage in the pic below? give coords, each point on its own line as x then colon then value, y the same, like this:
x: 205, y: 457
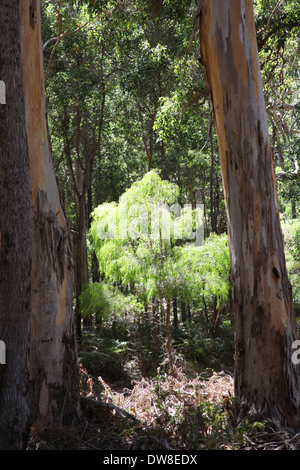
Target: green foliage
x: 104, y: 302
x: 294, y: 269
x: 204, y: 271
x: 132, y: 57
x: 155, y: 264
x: 197, y: 344
x: 295, y: 245
x: 104, y: 351
x: 151, y: 189
x: 291, y: 231
x: 136, y: 53
x: 277, y: 26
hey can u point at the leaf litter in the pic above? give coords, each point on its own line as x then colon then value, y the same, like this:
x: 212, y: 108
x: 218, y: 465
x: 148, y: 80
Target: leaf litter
x: 160, y: 413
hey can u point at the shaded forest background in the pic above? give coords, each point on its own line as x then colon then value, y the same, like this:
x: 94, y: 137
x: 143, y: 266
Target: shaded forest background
x: 127, y: 100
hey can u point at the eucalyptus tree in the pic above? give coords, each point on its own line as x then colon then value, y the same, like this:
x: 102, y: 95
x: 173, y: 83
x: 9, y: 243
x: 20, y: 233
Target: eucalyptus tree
x: 40, y: 383
x: 54, y: 394
x: 266, y: 377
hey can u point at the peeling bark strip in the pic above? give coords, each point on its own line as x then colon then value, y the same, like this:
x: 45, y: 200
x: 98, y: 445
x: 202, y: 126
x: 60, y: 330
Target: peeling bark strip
x: 265, y: 325
x: 54, y: 390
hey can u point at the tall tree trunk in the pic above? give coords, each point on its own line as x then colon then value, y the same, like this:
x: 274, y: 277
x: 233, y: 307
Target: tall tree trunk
x: 175, y: 312
x: 81, y: 270
x: 169, y: 338
x: 294, y: 210
x: 54, y: 391
x: 15, y: 238
x: 265, y: 326
x: 183, y: 311
x: 213, y: 218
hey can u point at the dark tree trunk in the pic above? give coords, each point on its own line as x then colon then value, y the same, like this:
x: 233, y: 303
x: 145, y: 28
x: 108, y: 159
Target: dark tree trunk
x: 175, y: 312
x: 15, y: 237
x: 183, y: 311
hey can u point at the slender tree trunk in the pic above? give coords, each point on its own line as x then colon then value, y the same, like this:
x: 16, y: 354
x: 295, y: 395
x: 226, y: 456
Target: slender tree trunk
x: 212, y: 188
x: 81, y: 269
x: 265, y: 326
x: 169, y: 337
x: 294, y: 210
x: 183, y: 311
x: 15, y: 237
x: 155, y: 327
x: 175, y: 312
x: 54, y: 390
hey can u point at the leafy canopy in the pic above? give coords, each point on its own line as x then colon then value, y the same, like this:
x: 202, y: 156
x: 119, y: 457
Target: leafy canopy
x: 157, y: 263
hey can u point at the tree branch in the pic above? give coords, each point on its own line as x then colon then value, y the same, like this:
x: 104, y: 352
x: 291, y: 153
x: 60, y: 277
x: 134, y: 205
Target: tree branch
x: 91, y: 402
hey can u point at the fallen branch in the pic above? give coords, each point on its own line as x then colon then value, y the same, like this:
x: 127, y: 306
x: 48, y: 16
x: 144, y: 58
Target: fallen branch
x: 91, y: 402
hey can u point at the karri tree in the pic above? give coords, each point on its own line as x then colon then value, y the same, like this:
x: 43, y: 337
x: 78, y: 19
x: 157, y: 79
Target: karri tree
x: 15, y: 238
x: 54, y: 381
x: 39, y: 383
x: 266, y: 377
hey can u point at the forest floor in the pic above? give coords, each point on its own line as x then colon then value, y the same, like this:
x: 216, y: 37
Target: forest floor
x: 131, y: 402
x: 166, y: 413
